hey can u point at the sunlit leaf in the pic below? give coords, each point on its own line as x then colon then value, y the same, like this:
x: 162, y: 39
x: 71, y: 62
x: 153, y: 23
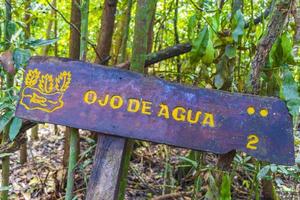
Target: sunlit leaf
x: 191, y: 26
x: 11, y: 28
x: 238, y: 24
x: 192, y: 162
x: 4, y: 119
x: 21, y: 57
x: 221, y: 74
x: 289, y: 92
x: 273, y: 168
x: 199, y: 45
x: 230, y: 51
x: 4, y: 188
x: 3, y: 155
x: 294, y: 106
x: 263, y: 172
x: 14, y: 128
x: 225, y: 187
x: 219, y: 81
x: 209, y: 55
x: 41, y: 42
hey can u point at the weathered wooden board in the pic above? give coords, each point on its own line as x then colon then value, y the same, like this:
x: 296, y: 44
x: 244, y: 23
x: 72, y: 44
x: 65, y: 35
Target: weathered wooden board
x: 127, y: 104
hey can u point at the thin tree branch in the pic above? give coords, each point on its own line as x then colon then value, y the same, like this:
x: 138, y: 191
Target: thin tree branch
x: 73, y: 26
x: 164, y: 54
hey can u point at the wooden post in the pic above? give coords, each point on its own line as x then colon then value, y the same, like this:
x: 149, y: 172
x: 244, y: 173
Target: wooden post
x: 104, y: 180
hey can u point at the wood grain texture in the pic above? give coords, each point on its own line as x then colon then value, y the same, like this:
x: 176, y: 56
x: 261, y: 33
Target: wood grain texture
x: 151, y: 109
x: 104, y: 180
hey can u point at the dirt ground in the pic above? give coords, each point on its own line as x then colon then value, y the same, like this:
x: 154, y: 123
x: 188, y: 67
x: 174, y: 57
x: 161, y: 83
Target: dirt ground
x: 153, y: 172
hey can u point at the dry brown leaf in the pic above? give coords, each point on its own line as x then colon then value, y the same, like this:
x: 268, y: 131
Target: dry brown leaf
x: 6, y: 59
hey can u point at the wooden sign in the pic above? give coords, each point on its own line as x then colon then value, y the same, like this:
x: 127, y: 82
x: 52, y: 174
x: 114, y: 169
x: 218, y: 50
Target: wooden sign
x: 127, y: 104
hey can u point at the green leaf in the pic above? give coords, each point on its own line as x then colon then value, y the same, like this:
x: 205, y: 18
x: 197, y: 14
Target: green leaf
x: 219, y: 81
x: 230, y: 51
x: 4, y: 120
x: 289, y: 88
x: 283, y: 170
x: 238, y: 24
x: 191, y: 26
x: 41, y: 42
x: 225, y: 188
x: 263, y: 172
x: 209, y: 55
x: 199, y: 45
x: 14, y: 129
x: 281, y: 52
x: 192, y: 162
x: 4, y: 188
x: 11, y: 27
x: 221, y: 74
x: 3, y: 155
x: 273, y: 168
x: 287, y: 47
x: 294, y: 107
x: 21, y: 57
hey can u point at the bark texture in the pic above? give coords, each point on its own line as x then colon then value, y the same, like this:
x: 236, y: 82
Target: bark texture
x: 74, y: 34
x: 104, y: 179
x: 275, y: 28
x: 142, y: 21
x: 106, y: 31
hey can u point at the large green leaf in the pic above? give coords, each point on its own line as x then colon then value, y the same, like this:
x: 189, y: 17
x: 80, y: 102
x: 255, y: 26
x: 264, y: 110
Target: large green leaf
x: 5, y: 119
x: 191, y: 26
x: 287, y: 47
x: 221, y: 73
x: 289, y: 88
x: 281, y: 52
x: 21, y: 57
x: 230, y: 51
x: 41, y: 42
x: 199, y: 45
x: 225, y: 187
x: 294, y: 106
x: 238, y: 24
x: 209, y: 55
x: 14, y: 129
x: 263, y: 172
x: 11, y: 27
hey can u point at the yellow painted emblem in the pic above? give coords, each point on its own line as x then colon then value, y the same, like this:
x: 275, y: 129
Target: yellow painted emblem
x: 44, y: 92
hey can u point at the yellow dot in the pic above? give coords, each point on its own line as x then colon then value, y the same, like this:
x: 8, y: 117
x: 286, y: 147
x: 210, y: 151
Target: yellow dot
x: 250, y: 110
x: 264, y: 112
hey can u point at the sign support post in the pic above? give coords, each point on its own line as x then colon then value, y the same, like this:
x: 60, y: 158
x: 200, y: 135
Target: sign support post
x: 106, y: 170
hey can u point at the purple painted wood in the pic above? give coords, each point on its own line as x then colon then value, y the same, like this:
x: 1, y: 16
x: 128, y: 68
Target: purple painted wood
x: 127, y: 104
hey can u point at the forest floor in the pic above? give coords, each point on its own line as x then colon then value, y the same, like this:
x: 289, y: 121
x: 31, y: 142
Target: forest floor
x: 154, y: 171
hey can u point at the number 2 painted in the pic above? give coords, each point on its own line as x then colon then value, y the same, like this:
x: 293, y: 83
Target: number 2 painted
x: 252, y: 142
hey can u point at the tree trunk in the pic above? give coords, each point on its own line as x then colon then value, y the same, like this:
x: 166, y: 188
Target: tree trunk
x: 125, y: 31
x: 151, y: 30
x: 49, y: 28
x: 176, y: 39
x: 55, y: 30
x: 144, y: 11
x: 296, y: 15
x: 74, y: 52
x: 275, y: 27
x: 23, y: 147
x: 9, y: 84
x: 84, y: 28
x: 106, y: 31
x: 74, y: 139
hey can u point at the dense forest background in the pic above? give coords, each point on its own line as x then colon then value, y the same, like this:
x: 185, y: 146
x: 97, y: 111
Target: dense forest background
x: 246, y: 46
